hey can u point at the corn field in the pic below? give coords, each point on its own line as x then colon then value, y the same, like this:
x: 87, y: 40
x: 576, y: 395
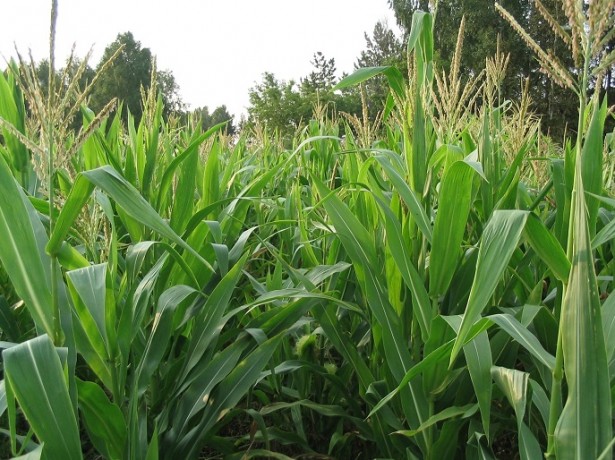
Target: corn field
x: 438, y: 286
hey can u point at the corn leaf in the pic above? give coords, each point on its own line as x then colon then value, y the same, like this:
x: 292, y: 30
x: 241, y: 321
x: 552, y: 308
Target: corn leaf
x: 500, y: 239
x: 103, y: 419
x: 448, y: 413
x: 36, y: 376
x: 521, y: 334
x: 22, y: 251
x: 547, y: 247
x: 479, y: 360
x: 109, y: 180
x: 513, y: 384
x: 584, y: 428
x: 407, y: 195
x: 455, y: 200
x: 356, y: 241
x: 591, y: 162
x: 422, y: 309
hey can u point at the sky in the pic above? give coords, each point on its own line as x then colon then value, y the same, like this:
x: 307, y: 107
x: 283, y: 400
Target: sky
x: 216, y: 50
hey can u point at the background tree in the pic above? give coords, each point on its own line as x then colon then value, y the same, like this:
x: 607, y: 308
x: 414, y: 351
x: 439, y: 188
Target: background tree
x: 383, y: 47
x: 130, y: 71
x: 555, y: 104
x: 322, y: 78
x: 219, y: 115
x: 317, y: 88
x: 404, y: 9
x: 169, y: 89
x: 275, y: 104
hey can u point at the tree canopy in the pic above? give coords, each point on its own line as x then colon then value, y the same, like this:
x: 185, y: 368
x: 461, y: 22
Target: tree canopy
x: 553, y: 103
x: 130, y: 71
x: 219, y: 115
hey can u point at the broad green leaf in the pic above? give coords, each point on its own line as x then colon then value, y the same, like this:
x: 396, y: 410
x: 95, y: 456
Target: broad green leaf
x: 160, y: 335
x: 454, y: 202
x: 547, y: 247
x: 211, y: 177
x: 608, y: 231
x: 584, y: 427
x: 328, y: 410
x: 592, y: 160
x: 184, y: 187
x: 608, y: 451
x: 526, y: 339
x: 197, y: 395
x: 35, y: 454
x: 36, y: 377
x: 432, y: 359
x: 359, y: 76
x: 448, y: 413
x: 608, y: 325
x: 8, y: 322
x: 606, y: 234
x: 103, y: 419
x: 22, y: 251
x: 151, y: 133
x: 227, y: 395
x: 118, y: 188
x: 326, y: 316
x: 12, y: 110
x: 402, y: 256
x: 407, y: 195
x: 210, y: 317
x: 562, y: 200
x: 421, y: 31
x: 529, y: 448
x: 541, y: 401
x: 169, y: 172
x: 479, y: 360
x: 359, y: 246
x: 500, y: 239
x: 448, y: 440
x: 513, y: 384
x: 87, y: 288
x: 478, y: 446
x: 152, y: 449
x: 3, y: 398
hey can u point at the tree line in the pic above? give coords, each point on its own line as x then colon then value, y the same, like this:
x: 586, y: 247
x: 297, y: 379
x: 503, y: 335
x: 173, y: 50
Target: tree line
x: 284, y: 106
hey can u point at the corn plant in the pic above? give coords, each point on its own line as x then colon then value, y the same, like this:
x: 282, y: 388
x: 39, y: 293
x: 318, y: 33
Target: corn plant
x: 418, y: 291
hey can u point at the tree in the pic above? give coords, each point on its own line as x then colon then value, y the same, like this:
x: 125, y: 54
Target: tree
x: 485, y: 24
x: 322, y: 78
x: 74, y: 68
x: 128, y: 73
x: 404, y: 9
x: 65, y: 75
x: 277, y: 105
x: 382, y: 48
x: 169, y: 89
x: 219, y: 115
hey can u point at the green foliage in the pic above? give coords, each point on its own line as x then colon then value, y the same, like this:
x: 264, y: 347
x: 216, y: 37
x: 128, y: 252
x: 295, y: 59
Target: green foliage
x: 219, y: 115
x: 412, y: 296
x: 128, y: 74
x: 383, y: 48
x: 277, y: 105
x: 286, y: 106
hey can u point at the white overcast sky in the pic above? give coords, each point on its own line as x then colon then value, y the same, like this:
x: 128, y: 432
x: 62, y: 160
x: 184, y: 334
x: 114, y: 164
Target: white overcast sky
x: 216, y: 50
